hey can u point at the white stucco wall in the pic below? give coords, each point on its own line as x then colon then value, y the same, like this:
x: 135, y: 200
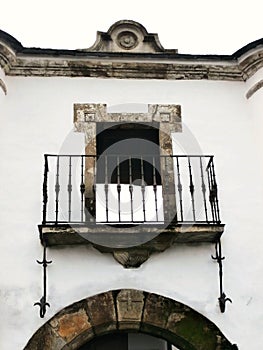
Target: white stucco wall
x: 256, y: 107
x: 36, y: 117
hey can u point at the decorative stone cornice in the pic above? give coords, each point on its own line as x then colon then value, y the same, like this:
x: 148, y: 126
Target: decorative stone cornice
x: 251, y: 63
x: 128, y: 51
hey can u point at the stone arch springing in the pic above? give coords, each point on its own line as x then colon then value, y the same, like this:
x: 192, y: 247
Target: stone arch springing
x: 133, y: 311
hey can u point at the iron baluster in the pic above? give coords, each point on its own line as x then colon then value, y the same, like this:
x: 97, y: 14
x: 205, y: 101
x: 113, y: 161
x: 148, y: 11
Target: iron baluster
x: 203, y: 187
x: 131, y: 186
x: 45, y: 192
x: 211, y: 192
x: 208, y: 186
x: 155, y: 189
x: 57, y: 189
x: 43, y: 301
x: 106, y: 189
x: 119, y: 187
x: 192, y: 188
x: 69, y: 189
x: 180, y: 189
x: 143, y: 190
x: 215, y: 193
x: 82, y: 189
x: 167, y: 196
x: 219, y: 258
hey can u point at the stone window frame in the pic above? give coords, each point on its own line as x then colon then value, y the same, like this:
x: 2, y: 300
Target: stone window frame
x: 166, y: 116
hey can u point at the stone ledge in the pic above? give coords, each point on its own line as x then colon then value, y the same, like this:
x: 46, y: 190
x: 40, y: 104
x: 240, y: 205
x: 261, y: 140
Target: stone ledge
x: 54, y: 235
x: 130, y: 245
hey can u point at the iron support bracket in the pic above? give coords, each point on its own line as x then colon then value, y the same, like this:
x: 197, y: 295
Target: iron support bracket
x: 43, y: 301
x: 219, y: 258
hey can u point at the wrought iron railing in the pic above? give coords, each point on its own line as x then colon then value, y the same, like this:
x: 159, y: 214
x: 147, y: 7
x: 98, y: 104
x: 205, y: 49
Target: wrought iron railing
x: 79, y: 189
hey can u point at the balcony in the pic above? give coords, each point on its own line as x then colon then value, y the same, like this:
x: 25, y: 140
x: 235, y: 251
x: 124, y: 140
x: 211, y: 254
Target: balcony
x: 118, y: 202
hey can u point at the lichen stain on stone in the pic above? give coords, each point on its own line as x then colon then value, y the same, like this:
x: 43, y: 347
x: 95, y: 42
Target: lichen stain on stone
x: 175, y: 317
x: 193, y: 328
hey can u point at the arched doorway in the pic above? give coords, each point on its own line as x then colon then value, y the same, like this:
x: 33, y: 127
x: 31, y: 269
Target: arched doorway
x: 128, y: 310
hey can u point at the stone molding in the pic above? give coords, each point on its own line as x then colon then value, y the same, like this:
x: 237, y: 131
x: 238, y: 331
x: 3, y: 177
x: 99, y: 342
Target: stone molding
x: 167, y: 115
x: 3, y: 86
x: 129, y: 310
x: 254, y: 89
x: 128, y: 51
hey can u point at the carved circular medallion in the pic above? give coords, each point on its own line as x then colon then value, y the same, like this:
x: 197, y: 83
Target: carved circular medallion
x: 127, y: 40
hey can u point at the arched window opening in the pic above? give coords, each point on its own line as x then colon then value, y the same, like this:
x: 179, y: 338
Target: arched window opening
x: 128, y: 341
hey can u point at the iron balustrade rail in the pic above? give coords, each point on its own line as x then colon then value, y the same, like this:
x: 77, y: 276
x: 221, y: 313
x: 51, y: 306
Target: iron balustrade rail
x: 129, y: 189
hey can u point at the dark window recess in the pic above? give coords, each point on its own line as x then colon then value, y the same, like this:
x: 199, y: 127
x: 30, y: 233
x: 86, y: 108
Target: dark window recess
x: 137, y: 151
x: 108, y: 342
x: 126, y: 341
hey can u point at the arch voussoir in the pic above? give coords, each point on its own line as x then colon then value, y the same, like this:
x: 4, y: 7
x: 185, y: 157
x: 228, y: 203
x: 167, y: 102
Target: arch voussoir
x: 128, y: 310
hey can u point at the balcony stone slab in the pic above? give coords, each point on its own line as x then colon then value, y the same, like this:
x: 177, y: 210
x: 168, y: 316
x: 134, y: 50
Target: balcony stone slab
x: 131, y: 245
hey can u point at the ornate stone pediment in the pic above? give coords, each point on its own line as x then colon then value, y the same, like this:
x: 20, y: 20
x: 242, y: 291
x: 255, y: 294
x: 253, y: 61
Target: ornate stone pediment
x: 125, y: 36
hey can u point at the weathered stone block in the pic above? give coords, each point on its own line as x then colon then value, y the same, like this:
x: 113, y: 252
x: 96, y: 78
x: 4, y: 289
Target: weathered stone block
x: 70, y: 325
x: 157, y: 310
x: 129, y: 307
x: 131, y: 258
x: 101, y: 310
x: 45, y: 339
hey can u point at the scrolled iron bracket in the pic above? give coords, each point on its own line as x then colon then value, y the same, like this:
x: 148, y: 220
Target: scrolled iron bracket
x: 222, y: 302
x: 43, y: 306
x: 43, y: 301
x: 219, y: 258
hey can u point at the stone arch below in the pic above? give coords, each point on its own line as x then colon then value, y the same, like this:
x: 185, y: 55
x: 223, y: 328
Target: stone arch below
x: 128, y: 310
